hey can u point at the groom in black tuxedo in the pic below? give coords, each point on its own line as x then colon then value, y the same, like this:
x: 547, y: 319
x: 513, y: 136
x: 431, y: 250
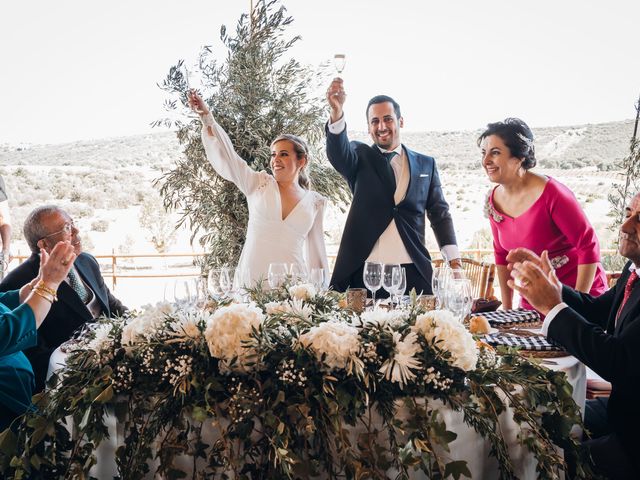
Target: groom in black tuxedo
x: 81, y: 298
x: 393, y: 187
x: 604, y: 333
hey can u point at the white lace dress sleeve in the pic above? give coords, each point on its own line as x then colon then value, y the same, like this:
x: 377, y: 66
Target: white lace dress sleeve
x: 316, y: 250
x: 224, y: 159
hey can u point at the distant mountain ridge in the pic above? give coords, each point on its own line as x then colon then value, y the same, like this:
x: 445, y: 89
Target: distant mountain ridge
x: 598, y: 145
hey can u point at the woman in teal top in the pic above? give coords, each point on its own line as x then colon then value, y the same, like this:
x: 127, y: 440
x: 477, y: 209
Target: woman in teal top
x: 21, y: 313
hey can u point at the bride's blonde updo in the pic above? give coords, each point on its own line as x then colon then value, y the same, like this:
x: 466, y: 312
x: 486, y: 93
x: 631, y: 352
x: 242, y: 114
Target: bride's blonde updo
x: 302, y: 151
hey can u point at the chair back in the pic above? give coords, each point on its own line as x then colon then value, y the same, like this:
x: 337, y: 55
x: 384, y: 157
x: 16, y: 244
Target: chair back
x: 481, y: 275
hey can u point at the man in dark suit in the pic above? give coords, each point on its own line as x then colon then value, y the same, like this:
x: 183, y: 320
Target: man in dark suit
x: 393, y: 187
x: 604, y: 333
x: 81, y: 298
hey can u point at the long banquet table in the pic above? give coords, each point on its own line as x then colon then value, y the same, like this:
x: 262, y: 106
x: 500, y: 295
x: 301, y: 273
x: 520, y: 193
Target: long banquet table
x: 469, y: 445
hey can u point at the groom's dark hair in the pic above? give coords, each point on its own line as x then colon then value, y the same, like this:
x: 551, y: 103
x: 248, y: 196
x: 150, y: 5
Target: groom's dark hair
x: 382, y: 99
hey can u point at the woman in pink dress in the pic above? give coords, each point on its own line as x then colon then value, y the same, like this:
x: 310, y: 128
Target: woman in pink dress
x: 534, y: 211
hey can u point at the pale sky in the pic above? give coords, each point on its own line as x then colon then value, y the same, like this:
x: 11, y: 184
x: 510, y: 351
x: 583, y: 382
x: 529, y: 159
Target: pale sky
x: 76, y: 69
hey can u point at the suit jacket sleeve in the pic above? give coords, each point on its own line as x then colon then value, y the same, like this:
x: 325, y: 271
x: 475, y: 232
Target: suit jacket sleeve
x: 614, y: 358
x: 581, y: 330
x: 438, y: 212
x: 341, y: 154
x: 17, y: 325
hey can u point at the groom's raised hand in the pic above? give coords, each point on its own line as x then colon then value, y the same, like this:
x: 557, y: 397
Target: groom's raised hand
x: 336, y: 98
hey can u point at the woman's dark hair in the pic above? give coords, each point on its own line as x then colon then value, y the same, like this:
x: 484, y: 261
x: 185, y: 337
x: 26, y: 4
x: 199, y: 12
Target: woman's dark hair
x: 302, y: 150
x: 517, y: 136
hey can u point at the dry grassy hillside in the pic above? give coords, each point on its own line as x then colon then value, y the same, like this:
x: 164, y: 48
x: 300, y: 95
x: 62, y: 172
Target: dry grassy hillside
x: 105, y: 183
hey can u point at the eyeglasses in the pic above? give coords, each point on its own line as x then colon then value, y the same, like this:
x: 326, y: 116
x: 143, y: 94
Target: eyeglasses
x: 67, y: 229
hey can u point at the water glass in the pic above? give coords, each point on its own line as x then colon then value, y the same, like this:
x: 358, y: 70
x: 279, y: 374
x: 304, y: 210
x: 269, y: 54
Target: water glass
x: 439, y: 284
x: 226, y: 281
x: 391, y: 277
x: 213, y: 283
x: 317, y: 278
x: 277, y: 275
x: 459, y: 297
x: 241, y: 282
x: 298, y: 272
x: 372, y: 278
x: 402, y: 286
x: 183, y: 291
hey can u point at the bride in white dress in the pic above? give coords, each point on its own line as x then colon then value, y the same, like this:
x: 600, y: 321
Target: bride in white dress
x: 285, y: 217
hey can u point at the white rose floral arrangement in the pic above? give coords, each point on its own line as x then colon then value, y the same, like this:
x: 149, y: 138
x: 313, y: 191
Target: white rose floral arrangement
x: 287, y: 374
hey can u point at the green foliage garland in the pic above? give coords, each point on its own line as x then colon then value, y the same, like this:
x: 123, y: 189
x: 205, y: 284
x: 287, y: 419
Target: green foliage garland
x: 281, y: 406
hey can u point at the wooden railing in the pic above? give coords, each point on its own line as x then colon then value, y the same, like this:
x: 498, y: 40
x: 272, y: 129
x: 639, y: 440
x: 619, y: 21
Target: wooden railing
x: 121, y: 266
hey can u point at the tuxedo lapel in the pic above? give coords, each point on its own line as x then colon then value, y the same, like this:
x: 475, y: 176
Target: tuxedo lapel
x: 384, y: 170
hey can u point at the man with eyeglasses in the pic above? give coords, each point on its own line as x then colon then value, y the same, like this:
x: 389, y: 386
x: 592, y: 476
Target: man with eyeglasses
x: 81, y: 298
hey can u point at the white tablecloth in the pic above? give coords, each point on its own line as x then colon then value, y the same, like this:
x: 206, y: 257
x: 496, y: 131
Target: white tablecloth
x: 469, y: 445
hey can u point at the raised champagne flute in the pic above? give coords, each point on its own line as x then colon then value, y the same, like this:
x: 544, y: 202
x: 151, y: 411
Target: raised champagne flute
x: 339, y: 61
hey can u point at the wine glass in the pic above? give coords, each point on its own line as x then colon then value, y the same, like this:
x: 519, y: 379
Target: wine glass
x: 439, y: 284
x: 298, y: 272
x: 213, y: 283
x: 226, y: 281
x: 182, y: 291
x: 339, y: 61
x: 402, y: 286
x: 390, y: 278
x: 372, y: 278
x: 241, y: 281
x: 317, y: 278
x: 459, y: 298
x: 277, y: 274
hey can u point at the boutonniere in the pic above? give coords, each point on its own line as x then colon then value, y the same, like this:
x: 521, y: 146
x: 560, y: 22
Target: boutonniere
x: 489, y: 211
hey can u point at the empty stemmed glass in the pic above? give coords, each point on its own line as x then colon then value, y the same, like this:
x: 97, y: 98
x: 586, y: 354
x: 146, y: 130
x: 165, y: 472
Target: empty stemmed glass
x: 402, y: 286
x: 339, y: 61
x: 391, y: 278
x: 372, y: 278
x: 241, y: 282
x: 459, y: 297
x: 277, y: 275
x: 317, y: 278
x: 298, y: 272
x: 226, y: 281
x: 439, y: 284
x: 213, y: 283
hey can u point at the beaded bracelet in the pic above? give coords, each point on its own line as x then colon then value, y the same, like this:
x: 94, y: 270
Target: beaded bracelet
x: 40, y: 294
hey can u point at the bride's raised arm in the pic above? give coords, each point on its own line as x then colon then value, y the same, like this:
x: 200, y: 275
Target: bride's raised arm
x: 220, y: 152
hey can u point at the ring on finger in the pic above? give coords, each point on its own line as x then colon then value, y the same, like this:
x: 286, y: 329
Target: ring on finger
x: 65, y: 262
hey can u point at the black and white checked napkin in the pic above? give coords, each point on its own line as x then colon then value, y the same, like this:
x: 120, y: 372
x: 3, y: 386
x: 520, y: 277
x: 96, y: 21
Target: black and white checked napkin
x: 533, y: 342
x: 508, y: 317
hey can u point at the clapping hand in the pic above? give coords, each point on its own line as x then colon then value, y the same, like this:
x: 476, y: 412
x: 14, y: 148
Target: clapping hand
x: 535, y: 279
x: 55, y: 266
x: 336, y: 98
x: 196, y: 103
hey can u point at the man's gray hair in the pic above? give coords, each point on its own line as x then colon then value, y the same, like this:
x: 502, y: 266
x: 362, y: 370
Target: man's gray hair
x: 33, y: 229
